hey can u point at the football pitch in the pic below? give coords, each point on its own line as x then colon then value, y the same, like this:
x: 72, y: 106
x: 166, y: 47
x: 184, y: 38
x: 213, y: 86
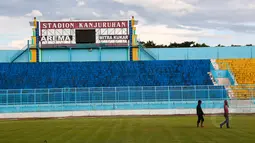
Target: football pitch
x: 143, y: 129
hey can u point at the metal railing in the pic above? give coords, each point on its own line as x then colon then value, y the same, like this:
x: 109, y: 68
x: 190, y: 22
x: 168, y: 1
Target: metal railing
x: 19, y: 53
x: 116, y: 94
x: 147, y: 51
x: 117, y: 98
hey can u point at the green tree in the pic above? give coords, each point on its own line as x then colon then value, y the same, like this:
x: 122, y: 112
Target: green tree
x: 220, y: 45
x: 151, y: 44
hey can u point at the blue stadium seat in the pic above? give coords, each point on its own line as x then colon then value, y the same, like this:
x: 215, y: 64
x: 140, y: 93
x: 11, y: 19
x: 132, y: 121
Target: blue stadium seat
x: 104, y: 74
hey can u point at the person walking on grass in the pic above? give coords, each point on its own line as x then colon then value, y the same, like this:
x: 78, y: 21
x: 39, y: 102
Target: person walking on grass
x: 226, y: 115
x: 200, y: 114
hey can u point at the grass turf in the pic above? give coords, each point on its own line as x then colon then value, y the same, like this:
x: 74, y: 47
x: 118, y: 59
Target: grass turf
x: 166, y: 129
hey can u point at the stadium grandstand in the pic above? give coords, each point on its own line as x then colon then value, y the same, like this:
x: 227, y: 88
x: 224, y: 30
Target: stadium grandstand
x: 71, y: 66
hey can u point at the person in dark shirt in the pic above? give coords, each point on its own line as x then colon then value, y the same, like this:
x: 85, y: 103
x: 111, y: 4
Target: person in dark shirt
x: 200, y: 114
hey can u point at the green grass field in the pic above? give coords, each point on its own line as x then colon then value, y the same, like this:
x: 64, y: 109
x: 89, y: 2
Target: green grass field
x: 156, y: 129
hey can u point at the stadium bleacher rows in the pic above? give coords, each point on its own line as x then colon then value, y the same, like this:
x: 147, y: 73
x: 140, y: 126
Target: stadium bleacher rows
x: 243, y: 69
x: 104, y: 74
x: 244, y: 73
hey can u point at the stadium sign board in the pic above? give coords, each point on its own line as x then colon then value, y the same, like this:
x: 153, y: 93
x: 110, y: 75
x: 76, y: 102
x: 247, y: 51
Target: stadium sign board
x: 113, y: 37
x: 56, y: 38
x: 84, y: 25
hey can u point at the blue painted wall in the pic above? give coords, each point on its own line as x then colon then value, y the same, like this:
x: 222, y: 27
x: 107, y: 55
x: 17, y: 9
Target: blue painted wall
x: 114, y: 55
x: 67, y: 55
x: 6, y: 55
x: 24, y: 57
x: 79, y: 55
x: 144, y: 56
x: 121, y: 54
x: 204, y: 53
x: 60, y: 55
x: 220, y: 73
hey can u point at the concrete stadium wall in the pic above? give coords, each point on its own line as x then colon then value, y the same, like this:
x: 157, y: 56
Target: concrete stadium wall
x: 80, y: 55
x: 122, y: 113
x: 121, y: 54
x: 6, y: 55
x: 67, y: 55
x: 203, y: 53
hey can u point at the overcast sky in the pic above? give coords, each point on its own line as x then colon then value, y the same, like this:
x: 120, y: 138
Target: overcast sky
x: 211, y: 21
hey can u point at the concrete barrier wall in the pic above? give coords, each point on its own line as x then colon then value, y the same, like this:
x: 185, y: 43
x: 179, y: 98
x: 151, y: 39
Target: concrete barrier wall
x: 203, y: 53
x: 121, y: 113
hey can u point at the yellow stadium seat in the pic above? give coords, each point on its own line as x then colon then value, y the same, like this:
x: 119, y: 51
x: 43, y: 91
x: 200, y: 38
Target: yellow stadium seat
x: 244, y: 73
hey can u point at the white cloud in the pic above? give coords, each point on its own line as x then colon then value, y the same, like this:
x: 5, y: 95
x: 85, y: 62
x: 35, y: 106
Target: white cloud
x: 58, y: 13
x: 80, y: 3
x: 161, y: 34
x: 18, y: 44
x: 122, y: 12
x: 15, y: 32
x: 209, y: 22
x: 34, y: 13
x: 251, y: 6
x: 178, y: 7
x: 15, y: 44
x: 67, y: 19
x: 96, y: 14
x: 128, y: 14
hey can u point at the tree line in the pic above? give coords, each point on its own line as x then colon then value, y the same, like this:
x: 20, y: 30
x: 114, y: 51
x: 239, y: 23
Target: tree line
x: 151, y: 44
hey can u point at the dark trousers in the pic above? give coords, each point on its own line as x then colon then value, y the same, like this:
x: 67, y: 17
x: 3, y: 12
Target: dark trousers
x: 226, y: 121
x: 200, y: 118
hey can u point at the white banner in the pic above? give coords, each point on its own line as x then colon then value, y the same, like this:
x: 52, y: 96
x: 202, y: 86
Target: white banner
x: 57, y: 38
x: 113, y: 37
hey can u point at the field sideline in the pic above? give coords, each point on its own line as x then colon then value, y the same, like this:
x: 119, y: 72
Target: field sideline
x: 143, y: 129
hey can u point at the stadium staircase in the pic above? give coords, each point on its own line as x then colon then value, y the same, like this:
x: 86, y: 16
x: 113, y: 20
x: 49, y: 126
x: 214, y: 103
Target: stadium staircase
x: 244, y: 73
x: 214, y: 66
x: 218, y: 79
x: 19, y: 53
x: 147, y: 51
x: 212, y: 78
